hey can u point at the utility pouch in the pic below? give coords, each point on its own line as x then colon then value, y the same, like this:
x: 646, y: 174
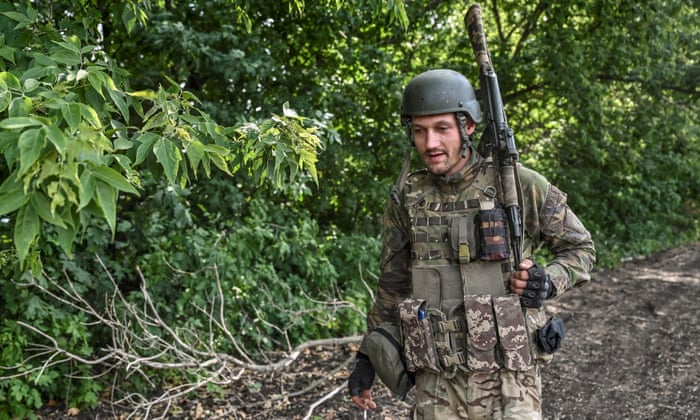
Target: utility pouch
x: 550, y: 336
x: 417, y: 335
x: 512, y: 333
x: 481, y: 336
x: 463, y: 238
x: 493, y: 234
x: 386, y: 355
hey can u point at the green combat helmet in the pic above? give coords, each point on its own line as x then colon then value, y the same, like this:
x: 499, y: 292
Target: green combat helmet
x: 439, y: 92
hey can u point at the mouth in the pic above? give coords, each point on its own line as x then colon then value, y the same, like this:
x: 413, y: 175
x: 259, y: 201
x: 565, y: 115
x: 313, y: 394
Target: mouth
x: 434, y: 155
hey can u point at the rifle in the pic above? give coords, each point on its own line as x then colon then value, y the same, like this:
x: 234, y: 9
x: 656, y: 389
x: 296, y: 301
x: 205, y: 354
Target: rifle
x: 497, y: 139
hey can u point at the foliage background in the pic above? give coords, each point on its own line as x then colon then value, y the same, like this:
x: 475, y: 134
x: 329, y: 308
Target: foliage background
x: 262, y: 138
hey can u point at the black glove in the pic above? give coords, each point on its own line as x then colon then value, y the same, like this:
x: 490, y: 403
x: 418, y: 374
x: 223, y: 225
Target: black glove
x: 362, y: 376
x: 539, y: 288
x: 551, y: 335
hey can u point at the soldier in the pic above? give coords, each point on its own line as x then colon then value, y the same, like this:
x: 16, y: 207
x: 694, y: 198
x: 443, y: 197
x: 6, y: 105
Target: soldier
x: 473, y: 331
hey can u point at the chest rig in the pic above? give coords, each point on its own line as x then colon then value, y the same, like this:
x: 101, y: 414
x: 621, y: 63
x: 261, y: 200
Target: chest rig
x: 454, y: 231
x: 460, y: 308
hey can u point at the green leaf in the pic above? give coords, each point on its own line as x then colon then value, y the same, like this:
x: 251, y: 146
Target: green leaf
x: 195, y: 153
x: 20, y: 107
x: 220, y: 163
x: 23, y: 20
x: 71, y: 113
x: 87, y: 189
x: 66, y: 57
x: 65, y: 236
x: 169, y: 157
x: 118, y: 99
x: 121, y: 143
x: 148, y: 95
x: 42, y: 207
x: 67, y: 54
x: 26, y: 231
x: 214, y: 148
x: 90, y: 115
x: 146, y: 147
x: 96, y: 79
x: 12, y: 195
x: 31, y: 143
x: 114, y: 178
x: 5, y: 96
x: 18, y: 123
x: 107, y: 201
x: 11, y: 80
x: 55, y: 136
x: 29, y: 85
x: 74, y: 48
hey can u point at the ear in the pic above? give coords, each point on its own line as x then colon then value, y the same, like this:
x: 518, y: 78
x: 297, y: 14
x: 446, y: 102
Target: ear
x: 470, y: 126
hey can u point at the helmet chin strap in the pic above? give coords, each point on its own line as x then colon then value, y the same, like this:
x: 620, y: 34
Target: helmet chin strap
x: 466, y: 138
x: 465, y: 146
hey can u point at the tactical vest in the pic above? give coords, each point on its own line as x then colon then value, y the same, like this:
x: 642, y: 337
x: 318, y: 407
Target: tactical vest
x: 460, y: 314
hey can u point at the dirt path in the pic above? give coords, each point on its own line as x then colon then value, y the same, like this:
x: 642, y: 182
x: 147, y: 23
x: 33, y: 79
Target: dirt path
x: 633, y: 347
x: 632, y: 351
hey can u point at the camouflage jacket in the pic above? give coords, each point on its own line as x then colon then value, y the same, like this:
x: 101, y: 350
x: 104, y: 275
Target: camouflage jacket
x: 547, y: 222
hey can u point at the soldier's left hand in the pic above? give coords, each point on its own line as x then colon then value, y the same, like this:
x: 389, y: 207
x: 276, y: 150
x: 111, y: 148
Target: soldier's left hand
x: 532, y: 283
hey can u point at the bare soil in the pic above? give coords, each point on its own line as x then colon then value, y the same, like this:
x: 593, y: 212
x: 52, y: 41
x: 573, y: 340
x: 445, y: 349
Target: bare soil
x: 632, y: 351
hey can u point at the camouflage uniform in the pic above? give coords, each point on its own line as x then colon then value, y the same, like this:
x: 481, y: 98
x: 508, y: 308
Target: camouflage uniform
x: 454, y: 382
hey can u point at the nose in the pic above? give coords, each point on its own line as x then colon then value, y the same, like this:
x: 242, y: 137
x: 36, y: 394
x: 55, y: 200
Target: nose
x: 432, y: 139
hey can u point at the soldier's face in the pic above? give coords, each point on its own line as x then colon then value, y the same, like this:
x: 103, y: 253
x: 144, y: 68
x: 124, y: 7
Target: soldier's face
x: 438, y: 142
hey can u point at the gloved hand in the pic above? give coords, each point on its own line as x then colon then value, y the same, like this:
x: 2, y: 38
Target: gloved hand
x: 538, y: 288
x: 360, y: 382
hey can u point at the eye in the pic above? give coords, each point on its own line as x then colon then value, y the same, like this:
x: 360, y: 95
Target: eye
x: 418, y: 130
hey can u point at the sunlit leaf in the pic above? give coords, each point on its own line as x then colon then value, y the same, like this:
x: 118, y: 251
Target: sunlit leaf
x: 18, y: 123
x: 114, y: 179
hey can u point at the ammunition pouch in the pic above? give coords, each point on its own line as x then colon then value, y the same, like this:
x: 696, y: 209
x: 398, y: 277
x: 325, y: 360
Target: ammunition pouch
x: 417, y: 334
x: 495, y: 335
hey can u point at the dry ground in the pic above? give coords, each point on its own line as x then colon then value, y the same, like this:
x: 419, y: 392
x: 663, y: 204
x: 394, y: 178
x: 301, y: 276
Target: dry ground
x: 632, y: 351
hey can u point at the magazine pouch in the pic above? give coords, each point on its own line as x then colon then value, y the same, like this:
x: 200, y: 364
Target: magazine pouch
x: 512, y: 333
x: 417, y: 336
x: 481, y: 336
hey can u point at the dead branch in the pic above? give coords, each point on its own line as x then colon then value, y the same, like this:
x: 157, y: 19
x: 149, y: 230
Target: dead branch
x: 142, y: 342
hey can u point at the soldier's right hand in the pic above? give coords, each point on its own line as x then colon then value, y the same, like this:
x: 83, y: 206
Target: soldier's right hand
x: 360, y: 383
x: 532, y: 283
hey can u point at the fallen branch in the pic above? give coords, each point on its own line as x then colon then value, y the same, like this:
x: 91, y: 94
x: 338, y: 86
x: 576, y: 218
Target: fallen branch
x: 323, y: 399
x: 142, y: 342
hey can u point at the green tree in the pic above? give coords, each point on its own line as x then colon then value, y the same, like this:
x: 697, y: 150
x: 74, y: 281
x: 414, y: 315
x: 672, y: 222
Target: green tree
x: 75, y: 135
x: 254, y: 144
